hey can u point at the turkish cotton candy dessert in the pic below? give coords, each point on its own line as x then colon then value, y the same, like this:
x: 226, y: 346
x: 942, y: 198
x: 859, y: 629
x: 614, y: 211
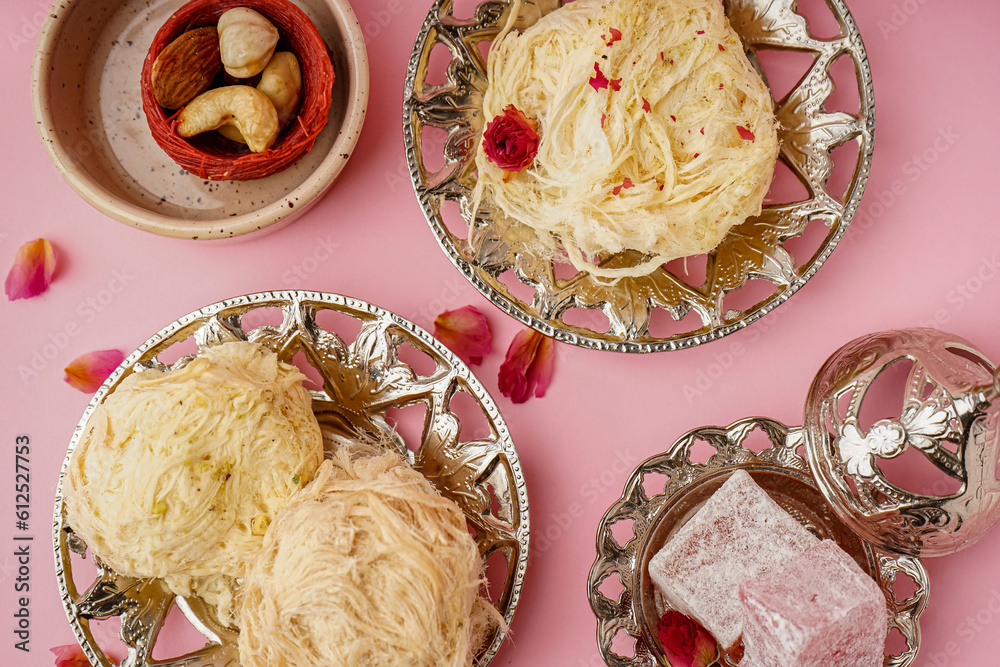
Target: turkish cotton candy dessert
x: 368, y: 566
x: 820, y: 610
x: 627, y: 125
x: 740, y: 533
x: 179, y: 473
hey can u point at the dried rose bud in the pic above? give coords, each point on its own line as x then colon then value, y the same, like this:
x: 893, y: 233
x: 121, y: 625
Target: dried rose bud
x: 511, y: 140
x: 686, y: 643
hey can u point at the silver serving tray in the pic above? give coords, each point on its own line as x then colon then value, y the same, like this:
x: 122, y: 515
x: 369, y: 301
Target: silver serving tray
x: 549, y: 301
x: 779, y: 469
x: 364, y: 374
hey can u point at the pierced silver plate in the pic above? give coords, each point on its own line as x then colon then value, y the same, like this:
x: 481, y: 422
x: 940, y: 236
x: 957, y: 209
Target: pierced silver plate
x: 390, y: 364
x: 667, y: 489
x: 539, y: 293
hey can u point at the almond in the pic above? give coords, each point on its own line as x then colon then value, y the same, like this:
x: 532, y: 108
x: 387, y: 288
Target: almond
x: 186, y: 67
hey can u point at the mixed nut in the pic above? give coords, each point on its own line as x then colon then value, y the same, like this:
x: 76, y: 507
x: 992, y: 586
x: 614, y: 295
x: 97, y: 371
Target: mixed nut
x: 243, y: 43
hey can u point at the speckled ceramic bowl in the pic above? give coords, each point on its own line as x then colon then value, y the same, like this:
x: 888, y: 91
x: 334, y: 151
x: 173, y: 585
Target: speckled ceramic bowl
x: 87, y: 103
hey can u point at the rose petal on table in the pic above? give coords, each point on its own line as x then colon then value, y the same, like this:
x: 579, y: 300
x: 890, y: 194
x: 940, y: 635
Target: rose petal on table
x: 70, y: 655
x: 685, y: 642
x: 89, y: 371
x: 528, y: 366
x: 466, y: 332
x: 32, y: 270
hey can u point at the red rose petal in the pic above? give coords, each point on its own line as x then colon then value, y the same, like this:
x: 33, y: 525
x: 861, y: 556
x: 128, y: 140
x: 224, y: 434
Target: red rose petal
x: 703, y: 130
x: 89, y: 371
x: 701, y: 32
x: 528, y: 366
x: 70, y: 655
x: 604, y: 117
x: 598, y: 81
x: 466, y: 332
x: 32, y: 270
x: 696, y: 156
x: 745, y: 133
x: 721, y: 86
x: 645, y: 105
x: 627, y: 183
x: 615, y: 36
x: 616, y: 84
x: 661, y: 55
x: 673, y: 118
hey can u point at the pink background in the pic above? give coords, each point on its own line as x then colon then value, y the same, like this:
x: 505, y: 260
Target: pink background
x: 923, y: 252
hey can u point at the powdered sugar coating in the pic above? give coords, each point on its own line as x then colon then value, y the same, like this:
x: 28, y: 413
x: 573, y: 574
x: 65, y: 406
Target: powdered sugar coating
x: 740, y: 533
x: 821, y: 609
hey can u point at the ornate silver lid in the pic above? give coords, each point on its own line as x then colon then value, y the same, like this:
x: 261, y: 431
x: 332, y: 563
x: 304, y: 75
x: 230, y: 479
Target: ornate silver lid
x: 940, y: 420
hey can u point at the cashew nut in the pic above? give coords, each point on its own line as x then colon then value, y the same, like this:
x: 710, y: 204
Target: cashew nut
x: 244, y: 107
x: 246, y: 41
x: 281, y: 81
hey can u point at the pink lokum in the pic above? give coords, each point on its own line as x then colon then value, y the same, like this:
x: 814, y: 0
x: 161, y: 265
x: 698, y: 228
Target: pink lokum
x: 740, y: 533
x: 819, y: 610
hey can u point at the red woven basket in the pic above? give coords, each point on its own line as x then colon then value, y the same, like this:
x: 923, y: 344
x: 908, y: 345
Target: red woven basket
x: 212, y: 157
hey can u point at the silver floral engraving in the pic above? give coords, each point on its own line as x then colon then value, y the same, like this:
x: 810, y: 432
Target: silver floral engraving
x: 361, y: 381
x: 619, y: 314
x: 922, y: 425
x: 950, y: 415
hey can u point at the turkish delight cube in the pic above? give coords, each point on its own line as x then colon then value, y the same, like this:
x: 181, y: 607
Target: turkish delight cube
x: 740, y: 533
x: 821, y: 609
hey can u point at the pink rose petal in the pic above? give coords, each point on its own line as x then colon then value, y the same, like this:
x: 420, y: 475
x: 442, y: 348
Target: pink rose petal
x: 70, y: 655
x: 627, y: 183
x: 745, y: 133
x: 89, y: 371
x: 528, y: 366
x: 615, y: 36
x: 598, y: 81
x: 32, y: 270
x: 466, y: 332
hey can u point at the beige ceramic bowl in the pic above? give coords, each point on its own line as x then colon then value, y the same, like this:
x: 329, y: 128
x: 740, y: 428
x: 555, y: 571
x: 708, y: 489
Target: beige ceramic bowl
x: 87, y: 103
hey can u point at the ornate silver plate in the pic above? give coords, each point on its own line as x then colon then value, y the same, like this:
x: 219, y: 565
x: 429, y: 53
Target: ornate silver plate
x: 361, y: 381
x: 667, y: 489
x: 753, y: 251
